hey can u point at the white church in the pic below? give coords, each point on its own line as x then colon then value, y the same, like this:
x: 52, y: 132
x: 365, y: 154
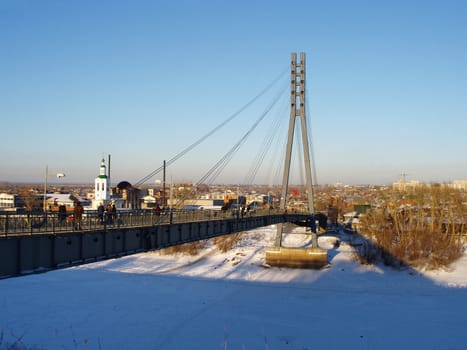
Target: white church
x: 102, y: 189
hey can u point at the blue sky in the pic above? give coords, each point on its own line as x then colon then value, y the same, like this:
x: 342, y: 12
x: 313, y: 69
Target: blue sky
x: 142, y: 80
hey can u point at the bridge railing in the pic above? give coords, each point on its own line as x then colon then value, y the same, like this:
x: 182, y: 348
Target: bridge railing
x: 56, y: 223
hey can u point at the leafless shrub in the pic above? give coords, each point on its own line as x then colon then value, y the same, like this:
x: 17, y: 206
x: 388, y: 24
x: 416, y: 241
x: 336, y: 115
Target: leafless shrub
x: 192, y: 248
x: 366, y: 252
x: 226, y: 242
x: 424, y: 229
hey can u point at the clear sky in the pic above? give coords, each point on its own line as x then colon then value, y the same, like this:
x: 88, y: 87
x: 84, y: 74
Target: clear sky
x: 142, y: 80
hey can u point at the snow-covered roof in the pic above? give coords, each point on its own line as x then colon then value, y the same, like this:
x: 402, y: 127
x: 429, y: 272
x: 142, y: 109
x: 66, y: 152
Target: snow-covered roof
x: 65, y: 198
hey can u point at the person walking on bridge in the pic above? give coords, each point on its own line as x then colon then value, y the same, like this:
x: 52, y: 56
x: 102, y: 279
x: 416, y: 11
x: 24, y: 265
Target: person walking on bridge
x: 78, y: 215
x: 100, y: 213
x: 158, y: 210
x: 61, y: 213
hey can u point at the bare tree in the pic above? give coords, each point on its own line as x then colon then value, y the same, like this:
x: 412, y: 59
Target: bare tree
x: 424, y: 228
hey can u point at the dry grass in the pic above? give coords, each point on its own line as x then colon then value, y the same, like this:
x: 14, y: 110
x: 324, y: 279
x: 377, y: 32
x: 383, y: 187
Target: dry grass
x: 426, y: 231
x: 227, y: 242
x: 223, y: 243
x: 192, y: 248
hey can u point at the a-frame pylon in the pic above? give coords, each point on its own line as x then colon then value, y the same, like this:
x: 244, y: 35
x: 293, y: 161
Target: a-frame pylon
x: 297, y: 111
x: 298, y: 257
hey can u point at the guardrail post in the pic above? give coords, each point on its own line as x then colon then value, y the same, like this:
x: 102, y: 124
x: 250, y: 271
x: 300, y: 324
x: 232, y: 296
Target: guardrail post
x: 30, y: 224
x: 7, y: 219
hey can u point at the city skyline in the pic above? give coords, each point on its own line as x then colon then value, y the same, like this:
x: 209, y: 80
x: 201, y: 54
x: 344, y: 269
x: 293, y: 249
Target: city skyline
x: 143, y: 80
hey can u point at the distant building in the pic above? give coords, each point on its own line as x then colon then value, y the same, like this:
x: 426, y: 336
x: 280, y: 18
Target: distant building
x: 153, y: 192
x: 9, y: 201
x: 128, y: 196
x: 352, y: 220
x: 101, y: 187
x: 54, y: 200
x: 460, y: 185
x: 403, y: 185
x: 212, y: 204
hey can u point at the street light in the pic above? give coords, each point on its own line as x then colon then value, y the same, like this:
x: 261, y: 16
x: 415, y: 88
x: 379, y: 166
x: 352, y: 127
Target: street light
x: 59, y: 176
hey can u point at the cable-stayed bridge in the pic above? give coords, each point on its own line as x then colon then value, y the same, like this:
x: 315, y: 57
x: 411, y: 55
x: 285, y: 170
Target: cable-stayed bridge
x: 41, y: 241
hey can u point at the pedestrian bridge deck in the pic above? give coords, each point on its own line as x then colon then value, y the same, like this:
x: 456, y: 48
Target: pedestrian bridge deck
x: 38, y: 242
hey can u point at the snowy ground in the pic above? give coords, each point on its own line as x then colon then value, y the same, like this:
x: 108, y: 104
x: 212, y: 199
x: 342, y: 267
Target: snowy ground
x: 231, y: 301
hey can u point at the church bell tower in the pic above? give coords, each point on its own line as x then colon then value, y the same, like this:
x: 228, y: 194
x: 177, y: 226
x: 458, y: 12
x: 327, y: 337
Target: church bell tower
x: 101, y: 188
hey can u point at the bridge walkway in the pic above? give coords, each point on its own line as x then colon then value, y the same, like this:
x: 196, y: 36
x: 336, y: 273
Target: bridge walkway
x: 49, y: 246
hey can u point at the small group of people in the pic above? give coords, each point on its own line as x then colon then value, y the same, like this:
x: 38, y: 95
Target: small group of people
x: 164, y: 210
x: 240, y: 212
x: 76, y: 218
x: 106, y: 215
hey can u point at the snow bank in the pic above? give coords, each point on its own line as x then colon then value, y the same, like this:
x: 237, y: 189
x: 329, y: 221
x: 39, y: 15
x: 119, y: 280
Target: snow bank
x: 231, y: 301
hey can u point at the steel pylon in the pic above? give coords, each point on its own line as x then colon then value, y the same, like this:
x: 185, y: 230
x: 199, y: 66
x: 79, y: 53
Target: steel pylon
x: 297, y: 111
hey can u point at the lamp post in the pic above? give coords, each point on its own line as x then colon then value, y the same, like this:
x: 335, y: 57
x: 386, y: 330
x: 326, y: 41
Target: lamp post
x: 59, y: 176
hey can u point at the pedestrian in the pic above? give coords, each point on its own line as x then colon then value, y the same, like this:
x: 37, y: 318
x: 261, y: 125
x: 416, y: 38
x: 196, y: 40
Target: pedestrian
x: 108, y: 213
x: 100, y: 213
x: 61, y: 213
x: 78, y: 215
x: 158, y: 210
x: 114, y: 211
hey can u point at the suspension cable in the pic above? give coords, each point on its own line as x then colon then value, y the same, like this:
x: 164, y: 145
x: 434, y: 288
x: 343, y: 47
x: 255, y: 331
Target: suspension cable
x: 223, y: 163
x: 214, y: 172
x: 263, y: 150
x: 203, y: 138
